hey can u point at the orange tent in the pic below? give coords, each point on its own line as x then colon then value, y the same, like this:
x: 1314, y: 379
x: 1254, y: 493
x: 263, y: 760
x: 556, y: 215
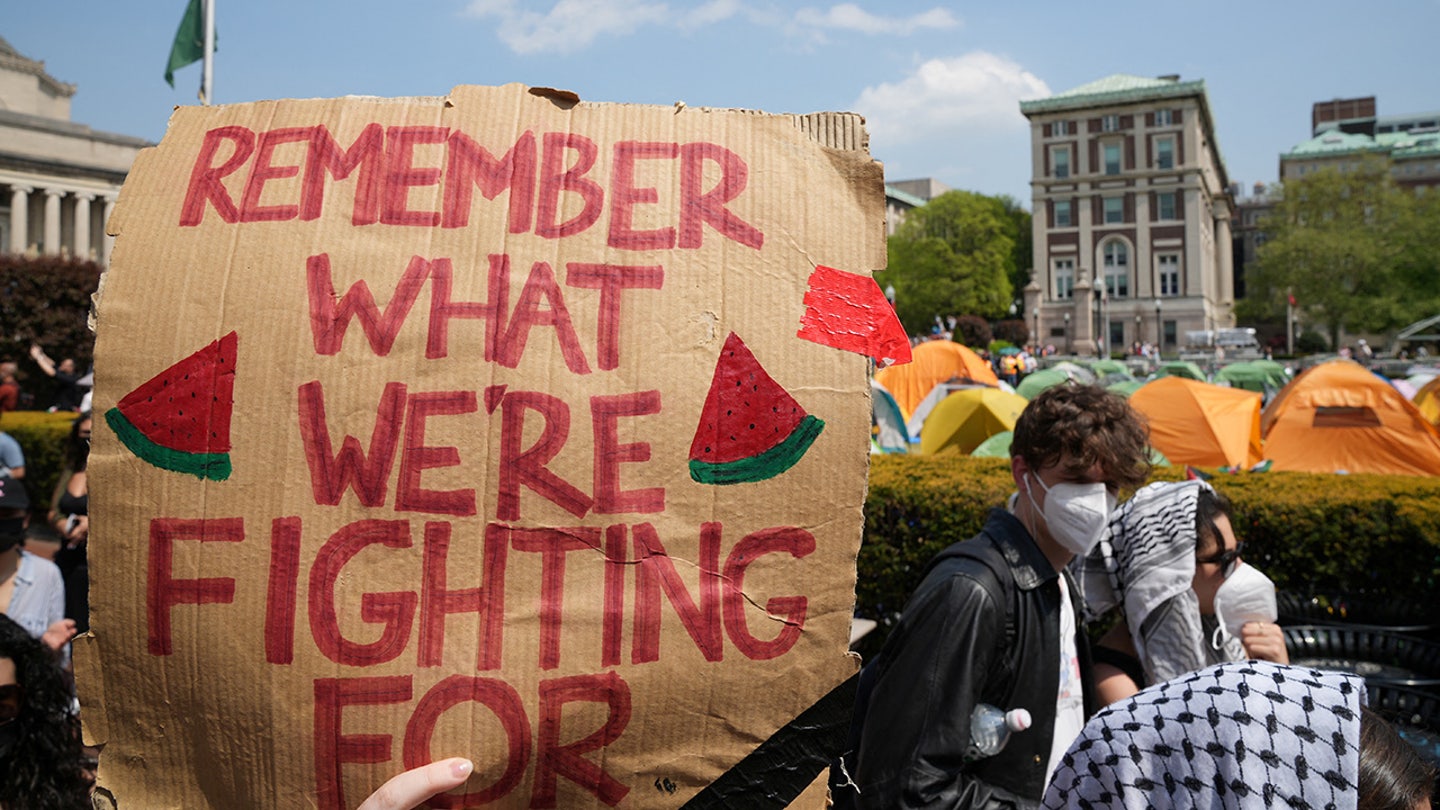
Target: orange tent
x: 1197, y: 423
x: 933, y: 362
x: 1339, y: 417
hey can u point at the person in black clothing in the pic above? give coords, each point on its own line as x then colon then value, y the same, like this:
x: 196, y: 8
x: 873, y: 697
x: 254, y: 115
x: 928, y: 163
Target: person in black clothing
x: 995, y: 621
x: 70, y: 517
x: 69, y: 391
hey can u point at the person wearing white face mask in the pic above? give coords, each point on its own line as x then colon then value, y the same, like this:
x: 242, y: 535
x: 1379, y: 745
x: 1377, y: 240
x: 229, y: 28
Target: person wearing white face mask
x: 1170, y: 561
x: 994, y: 622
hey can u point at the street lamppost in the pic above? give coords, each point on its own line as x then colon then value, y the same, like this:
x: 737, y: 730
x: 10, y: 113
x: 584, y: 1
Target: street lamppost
x: 1138, y: 337
x: 1159, y: 335
x: 1067, y: 333
x: 1104, y: 326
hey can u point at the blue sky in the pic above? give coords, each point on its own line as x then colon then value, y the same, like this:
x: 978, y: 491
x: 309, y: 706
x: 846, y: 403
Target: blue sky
x: 939, y: 83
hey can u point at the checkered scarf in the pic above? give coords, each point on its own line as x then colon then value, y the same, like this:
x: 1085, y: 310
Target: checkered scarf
x: 1145, y: 562
x: 1236, y: 735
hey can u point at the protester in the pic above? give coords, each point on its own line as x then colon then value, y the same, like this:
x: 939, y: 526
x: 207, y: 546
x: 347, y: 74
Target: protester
x: 9, y: 386
x: 1239, y: 735
x: 14, y: 501
x: 70, y: 518
x: 31, y: 591
x: 40, y: 752
x: 69, y: 389
x: 1163, y: 558
x: 994, y: 622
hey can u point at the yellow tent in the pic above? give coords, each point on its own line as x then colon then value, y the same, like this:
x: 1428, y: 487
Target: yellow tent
x: 968, y: 417
x: 1197, y: 423
x: 1339, y: 417
x: 1427, y: 399
x: 934, y: 362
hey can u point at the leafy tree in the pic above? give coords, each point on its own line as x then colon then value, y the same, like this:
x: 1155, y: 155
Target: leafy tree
x: 953, y: 255
x: 1015, y: 332
x: 45, y: 300
x: 1338, y: 242
x: 1024, y: 257
x: 973, y: 331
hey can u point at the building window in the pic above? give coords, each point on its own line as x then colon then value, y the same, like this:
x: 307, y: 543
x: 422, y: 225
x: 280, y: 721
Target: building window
x: 1114, y: 209
x: 1062, y: 214
x: 1064, y: 279
x: 1060, y: 128
x: 1169, y: 274
x: 1060, y: 160
x: 1110, y: 123
x: 1164, y: 153
x: 1163, y: 118
x: 1117, y: 334
x: 1165, y: 205
x: 1112, y: 158
x: 1117, y: 269
x: 1170, y: 334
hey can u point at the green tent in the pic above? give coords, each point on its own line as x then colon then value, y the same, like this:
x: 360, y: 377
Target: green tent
x: 1181, y: 368
x: 997, y: 446
x: 1125, y: 388
x: 1251, y: 377
x: 1105, y: 366
x: 1038, y: 381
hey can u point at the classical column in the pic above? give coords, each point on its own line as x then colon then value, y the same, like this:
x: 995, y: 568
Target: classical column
x: 52, y: 221
x: 19, y: 218
x: 107, y: 242
x: 82, y: 225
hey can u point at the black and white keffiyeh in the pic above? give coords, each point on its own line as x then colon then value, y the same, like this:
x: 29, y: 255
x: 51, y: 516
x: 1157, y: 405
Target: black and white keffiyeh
x: 1236, y: 735
x: 1145, y: 562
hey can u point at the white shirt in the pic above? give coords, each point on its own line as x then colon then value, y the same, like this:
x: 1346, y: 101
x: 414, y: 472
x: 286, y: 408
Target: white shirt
x: 1070, y: 697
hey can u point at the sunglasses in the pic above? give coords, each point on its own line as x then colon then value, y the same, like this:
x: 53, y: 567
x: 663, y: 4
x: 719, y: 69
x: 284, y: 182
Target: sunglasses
x: 11, y: 695
x: 1225, y: 559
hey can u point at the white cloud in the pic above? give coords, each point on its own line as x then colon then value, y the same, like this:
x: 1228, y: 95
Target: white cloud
x: 850, y: 17
x: 976, y: 92
x: 570, y: 25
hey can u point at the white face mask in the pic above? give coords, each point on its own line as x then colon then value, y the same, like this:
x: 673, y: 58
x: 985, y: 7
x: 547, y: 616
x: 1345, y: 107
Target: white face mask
x: 1245, y: 596
x: 1076, y: 514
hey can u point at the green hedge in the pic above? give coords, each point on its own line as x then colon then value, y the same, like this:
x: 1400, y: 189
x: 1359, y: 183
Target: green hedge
x: 1376, y: 536
x: 42, y: 436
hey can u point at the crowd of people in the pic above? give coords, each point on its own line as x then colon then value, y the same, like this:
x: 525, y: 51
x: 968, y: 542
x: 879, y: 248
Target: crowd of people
x: 1188, y: 699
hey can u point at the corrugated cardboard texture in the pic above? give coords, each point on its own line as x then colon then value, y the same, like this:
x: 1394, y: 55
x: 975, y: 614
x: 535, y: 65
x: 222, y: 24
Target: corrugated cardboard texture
x: 284, y: 636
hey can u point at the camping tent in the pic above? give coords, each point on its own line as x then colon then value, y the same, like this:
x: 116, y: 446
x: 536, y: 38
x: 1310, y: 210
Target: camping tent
x: 1125, y: 387
x: 968, y: 417
x: 1267, y: 380
x: 1038, y: 381
x: 1337, y: 416
x: 997, y: 446
x: 1180, y: 368
x: 1197, y: 423
x: 887, y: 424
x: 1427, y: 399
x: 933, y: 362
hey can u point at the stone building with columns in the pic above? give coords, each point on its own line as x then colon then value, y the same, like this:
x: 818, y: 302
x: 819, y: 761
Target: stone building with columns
x: 58, y: 179
x: 1131, y: 216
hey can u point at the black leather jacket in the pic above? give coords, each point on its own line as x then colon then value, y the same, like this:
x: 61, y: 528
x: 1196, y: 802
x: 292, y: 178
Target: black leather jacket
x: 949, y: 652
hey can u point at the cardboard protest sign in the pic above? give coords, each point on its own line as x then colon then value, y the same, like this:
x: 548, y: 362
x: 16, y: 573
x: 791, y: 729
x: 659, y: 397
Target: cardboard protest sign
x: 477, y: 425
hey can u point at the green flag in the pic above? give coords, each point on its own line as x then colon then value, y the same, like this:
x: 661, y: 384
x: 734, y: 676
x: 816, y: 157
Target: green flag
x: 189, y: 45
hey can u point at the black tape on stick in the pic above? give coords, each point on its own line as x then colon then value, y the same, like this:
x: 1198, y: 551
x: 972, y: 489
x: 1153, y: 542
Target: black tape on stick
x: 780, y: 768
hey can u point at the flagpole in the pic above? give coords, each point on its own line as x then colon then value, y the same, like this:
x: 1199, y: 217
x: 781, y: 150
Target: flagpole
x: 208, y: 78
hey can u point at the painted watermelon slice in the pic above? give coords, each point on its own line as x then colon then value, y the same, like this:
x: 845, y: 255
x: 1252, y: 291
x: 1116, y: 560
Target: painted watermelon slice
x: 180, y: 419
x: 751, y: 429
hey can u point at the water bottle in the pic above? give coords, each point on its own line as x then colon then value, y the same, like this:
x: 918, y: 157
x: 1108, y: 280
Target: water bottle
x: 990, y: 729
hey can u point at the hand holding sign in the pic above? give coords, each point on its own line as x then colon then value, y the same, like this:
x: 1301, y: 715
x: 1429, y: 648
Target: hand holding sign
x: 410, y: 789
